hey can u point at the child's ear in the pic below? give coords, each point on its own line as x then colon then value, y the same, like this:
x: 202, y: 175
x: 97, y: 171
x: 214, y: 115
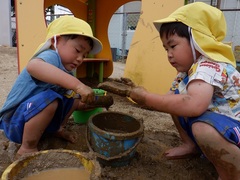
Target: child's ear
x: 53, y: 39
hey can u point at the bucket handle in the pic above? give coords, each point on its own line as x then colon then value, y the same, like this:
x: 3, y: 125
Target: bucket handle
x: 113, y: 157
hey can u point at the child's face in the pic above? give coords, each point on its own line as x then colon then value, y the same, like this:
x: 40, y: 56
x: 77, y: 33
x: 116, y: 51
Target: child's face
x: 179, y: 52
x: 73, y: 51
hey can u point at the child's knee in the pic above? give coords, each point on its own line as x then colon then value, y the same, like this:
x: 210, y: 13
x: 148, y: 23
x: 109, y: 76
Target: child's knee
x: 202, y: 131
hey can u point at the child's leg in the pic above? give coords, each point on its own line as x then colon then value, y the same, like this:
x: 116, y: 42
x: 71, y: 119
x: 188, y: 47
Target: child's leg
x: 62, y: 132
x: 224, y: 155
x: 34, y: 128
x: 77, y: 105
x: 187, y: 149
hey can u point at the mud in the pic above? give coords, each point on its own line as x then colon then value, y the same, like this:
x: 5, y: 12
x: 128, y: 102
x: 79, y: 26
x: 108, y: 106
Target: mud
x: 46, y: 160
x: 148, y: 163
x: 115, y: 87
x: 103, y: 101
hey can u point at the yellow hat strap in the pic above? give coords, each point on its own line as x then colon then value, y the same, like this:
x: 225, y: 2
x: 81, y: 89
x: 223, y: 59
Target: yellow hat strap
x: 192, y: 45
x: 55, y: 43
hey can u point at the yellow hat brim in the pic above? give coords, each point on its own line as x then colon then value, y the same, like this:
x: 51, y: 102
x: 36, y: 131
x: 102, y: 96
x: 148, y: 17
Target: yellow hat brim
x: 65, y: 25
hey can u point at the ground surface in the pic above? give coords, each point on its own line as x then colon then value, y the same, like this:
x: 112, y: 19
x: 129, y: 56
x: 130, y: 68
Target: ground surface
x: 159, y: 135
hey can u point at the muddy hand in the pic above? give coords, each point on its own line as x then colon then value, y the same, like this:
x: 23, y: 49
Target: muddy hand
x: 138, y: 94
x: 128, y: 82
x: 86, y: 93
x: 118, y: 86
x: 125, y: 81
x: 102, y: 101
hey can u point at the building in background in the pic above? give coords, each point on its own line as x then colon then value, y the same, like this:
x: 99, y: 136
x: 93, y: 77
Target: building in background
x: 122, y: 27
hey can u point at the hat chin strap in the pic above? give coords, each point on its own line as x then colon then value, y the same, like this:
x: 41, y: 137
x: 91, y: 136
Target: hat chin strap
x: 55, y: 43
x: 192, y: 45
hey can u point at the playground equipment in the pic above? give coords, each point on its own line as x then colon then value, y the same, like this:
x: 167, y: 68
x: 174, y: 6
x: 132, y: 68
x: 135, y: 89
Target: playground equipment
x: 146, y: 62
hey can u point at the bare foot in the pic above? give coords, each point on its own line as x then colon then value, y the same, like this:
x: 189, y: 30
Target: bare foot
x: 67, y: 135
x: 181, y: 152
x: 22, y: 151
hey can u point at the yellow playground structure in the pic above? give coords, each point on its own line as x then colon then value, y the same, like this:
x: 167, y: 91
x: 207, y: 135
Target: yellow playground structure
x: 146, y: 63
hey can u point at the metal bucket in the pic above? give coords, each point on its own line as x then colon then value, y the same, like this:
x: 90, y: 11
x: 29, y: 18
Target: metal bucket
x: 51, y: 159
x: 113, y: 137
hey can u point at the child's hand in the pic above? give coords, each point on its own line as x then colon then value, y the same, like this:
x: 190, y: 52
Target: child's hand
x: 138, y: 94
x: 86, y: 93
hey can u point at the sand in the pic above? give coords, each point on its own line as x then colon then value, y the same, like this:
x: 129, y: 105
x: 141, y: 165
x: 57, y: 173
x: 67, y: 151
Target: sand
x: 148, y: 163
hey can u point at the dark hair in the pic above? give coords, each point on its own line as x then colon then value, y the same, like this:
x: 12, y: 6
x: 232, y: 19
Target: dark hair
x: 74, y: 36
x: 174, y: 28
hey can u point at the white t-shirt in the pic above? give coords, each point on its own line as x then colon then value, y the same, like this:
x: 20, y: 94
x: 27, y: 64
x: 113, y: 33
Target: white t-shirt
x: 225, y: 79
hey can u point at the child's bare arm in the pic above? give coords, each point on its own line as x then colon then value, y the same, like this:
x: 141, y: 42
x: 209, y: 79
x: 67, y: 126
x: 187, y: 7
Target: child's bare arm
x: 192, y: 104
x: 51, y: 74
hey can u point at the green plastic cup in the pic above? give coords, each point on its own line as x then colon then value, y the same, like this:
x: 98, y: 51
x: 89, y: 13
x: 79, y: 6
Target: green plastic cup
x: 81, y: 117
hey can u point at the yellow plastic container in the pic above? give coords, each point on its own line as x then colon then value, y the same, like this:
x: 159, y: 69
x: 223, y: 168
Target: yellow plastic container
x: 51, y: 159
x: 81, y: 117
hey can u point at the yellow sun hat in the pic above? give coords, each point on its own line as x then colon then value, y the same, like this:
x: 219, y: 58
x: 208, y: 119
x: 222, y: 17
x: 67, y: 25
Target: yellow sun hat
x: 69, y: 25
x: 208, y: 28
